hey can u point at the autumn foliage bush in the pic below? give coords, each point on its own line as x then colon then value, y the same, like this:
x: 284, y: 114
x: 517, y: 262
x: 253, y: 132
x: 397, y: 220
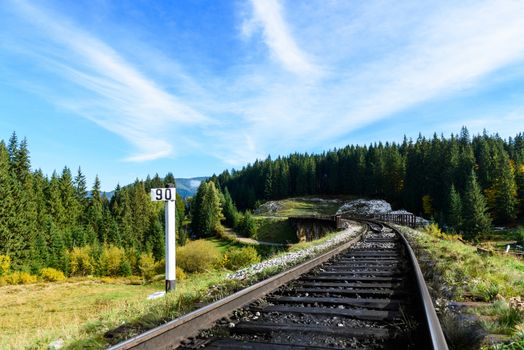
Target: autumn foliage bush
x: 20, y: 278
x: 240, y: 257
x: 198, y: 256
x: 180, y: 274
x: 81, y: 261
x: 111, y: 260
x: 147, y: 266
x: 435, y: 231
x: 49, y: 274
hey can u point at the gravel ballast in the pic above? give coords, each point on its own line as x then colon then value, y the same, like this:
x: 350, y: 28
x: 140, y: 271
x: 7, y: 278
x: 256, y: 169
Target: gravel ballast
x: 288, y: 259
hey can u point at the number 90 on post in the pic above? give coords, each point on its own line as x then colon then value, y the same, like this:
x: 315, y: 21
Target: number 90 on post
x: 163, y: 194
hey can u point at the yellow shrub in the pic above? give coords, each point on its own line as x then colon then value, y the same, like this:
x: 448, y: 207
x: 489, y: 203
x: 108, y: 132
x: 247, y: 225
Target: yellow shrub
x: 27, y: 278
x: 13, y: 278
x: 238, y: 258
x: 3, y: 282
x: 82, y: 263
x: 180, y: 274
x: 110, y: 260
x: 20, y: 278
x: 435, y: 231
x: 49, y: 274
x: 108, y: 280
x: 225, y: 260
x: 198, y: 256
x: 147, y: 266
x: 5, y: 264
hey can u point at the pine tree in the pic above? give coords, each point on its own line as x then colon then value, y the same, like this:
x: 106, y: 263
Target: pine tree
x: 40, y: 185
x: 12, y: 147
x: 9, y: 243
x: 124, y: 218
x: 180, y: 213
x: 40, y: 253
x: 81, y: 190
x: 466, y: 162
x: 54, y: 202
x: 455, y: 209
x: 207, y: 211
x: 519, y: 179
x: 25, y: 205
x: 69, y: 199
x: 506, y: 201
x: 95, y: 208
x: 196, y: 209
x: 141, y: 213
x: 476, y: 218
x: 156, y: 239
x: 268, y: 184
x: 169, y: 179
x: 56, y: 248
x: 230, y: 211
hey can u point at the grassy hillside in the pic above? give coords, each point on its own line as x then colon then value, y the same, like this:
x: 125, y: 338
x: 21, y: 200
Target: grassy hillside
x: 277, y: 230
x: 486, y: 283
x: 302, y: 206
x: 271, y: 217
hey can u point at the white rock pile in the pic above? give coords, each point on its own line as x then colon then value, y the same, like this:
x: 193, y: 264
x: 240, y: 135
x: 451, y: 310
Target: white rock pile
x: 269, y: 207
x: 291, y: 258
x: 365, y: 207
x: 370, y: 207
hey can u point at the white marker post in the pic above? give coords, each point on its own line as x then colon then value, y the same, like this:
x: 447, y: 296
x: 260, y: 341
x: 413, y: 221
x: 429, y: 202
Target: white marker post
x: 168, y: 195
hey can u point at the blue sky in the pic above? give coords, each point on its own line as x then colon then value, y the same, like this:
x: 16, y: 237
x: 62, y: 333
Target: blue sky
x: 129, y: 88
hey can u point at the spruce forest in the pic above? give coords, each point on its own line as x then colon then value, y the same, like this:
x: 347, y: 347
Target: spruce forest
x: 55, y: 222
x: 464, y: 183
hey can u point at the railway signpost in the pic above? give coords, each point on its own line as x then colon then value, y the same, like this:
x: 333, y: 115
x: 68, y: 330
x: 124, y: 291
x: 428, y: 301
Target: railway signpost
x: 168, y: 195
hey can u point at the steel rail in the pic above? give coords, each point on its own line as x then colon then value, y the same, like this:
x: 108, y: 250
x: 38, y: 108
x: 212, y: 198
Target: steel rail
x: 171, y: 334
x: 437, y: 338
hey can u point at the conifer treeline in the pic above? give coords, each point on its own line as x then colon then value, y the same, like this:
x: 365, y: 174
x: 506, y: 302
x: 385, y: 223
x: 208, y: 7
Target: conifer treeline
x: 42, y: 218
x: 428, y: 176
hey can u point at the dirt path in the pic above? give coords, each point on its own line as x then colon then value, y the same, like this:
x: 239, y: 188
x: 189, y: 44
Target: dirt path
x: 254, y: 241
x: 247, y: 240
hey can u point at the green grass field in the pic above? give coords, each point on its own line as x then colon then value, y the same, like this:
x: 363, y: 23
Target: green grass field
x: 277, y: 230
x: 304, y: 206
x: 223, y: 245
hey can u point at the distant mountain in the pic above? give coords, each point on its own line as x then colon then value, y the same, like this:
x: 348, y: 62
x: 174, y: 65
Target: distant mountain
x: 186, y: 187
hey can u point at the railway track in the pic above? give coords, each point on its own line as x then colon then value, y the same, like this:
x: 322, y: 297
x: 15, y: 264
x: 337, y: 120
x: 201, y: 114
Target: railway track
x: 367, y: 294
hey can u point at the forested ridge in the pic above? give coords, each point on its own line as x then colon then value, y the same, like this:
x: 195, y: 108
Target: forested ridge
x: 50, y: 221
x: 464, y: 182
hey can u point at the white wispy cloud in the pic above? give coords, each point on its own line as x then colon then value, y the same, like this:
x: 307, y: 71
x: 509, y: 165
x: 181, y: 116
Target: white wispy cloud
x: 368, y: 62
x: 268, y: 15
x: 121, y: 99
x: 449, y: 51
